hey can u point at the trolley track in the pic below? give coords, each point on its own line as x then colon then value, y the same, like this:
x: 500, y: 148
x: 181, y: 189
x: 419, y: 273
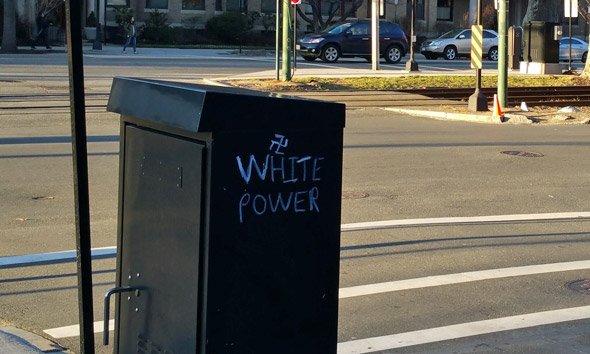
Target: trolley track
x: 533, y: 96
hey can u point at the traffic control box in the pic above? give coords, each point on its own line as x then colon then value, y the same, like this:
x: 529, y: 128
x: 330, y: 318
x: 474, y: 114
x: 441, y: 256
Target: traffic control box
x: 540, y: 42
x: 229, y: 220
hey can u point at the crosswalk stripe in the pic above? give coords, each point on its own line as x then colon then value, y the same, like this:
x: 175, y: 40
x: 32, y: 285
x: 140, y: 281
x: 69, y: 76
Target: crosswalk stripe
x: 438, y: 334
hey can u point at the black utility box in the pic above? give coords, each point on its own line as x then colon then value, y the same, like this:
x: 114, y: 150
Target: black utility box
x: 540, y: 44
x: 229, y: 220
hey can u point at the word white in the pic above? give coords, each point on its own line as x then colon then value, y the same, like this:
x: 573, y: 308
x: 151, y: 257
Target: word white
x: 281, y: 169
x: 299, y: 202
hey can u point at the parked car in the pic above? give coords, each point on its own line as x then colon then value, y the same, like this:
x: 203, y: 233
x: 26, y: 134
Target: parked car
x: 457, y: 43
x: 579, y: 49
x: 353, y: 39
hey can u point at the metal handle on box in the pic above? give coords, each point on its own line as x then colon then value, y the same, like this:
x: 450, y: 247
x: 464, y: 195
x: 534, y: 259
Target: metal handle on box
x: 107, y: 307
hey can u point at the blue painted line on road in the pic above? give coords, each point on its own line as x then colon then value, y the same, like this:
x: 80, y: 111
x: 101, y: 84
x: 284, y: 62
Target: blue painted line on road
x: 53, y: 257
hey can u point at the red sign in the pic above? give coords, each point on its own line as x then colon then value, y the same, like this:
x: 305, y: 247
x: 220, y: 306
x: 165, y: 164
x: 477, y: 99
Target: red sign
x: 295, y: 2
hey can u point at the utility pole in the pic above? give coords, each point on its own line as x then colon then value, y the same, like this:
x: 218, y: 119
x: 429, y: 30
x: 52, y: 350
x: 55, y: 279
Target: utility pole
x: 478, y: 102
x: 97, y: 45
x: 375, y: 35
x: 411, y: 64
x: 277, y: 37
x: 502, y: 52
x: 286, y: 68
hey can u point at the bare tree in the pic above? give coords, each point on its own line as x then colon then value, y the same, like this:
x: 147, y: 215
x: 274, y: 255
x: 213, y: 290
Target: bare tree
x: 9, y: 28
x: 326, y: 12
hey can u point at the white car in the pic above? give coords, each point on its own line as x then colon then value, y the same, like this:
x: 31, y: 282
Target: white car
x: 579, y: 49
x: 457, y: 43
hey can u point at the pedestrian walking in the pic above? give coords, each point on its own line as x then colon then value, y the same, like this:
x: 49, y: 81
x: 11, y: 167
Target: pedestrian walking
x: 131, y: 36
x: 42, y: 28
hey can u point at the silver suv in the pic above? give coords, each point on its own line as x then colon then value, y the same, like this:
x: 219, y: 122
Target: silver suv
x: 457, y: 43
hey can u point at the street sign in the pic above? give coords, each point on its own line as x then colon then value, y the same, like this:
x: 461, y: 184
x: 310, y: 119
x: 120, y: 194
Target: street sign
x: 570, y: 4
x: 295, y: 2
x: 476, y: 46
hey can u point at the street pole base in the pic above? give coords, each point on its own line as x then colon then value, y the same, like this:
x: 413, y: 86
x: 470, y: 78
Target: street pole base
x: 411, y: 65
x: 478, y: 102
x: 97, y: 45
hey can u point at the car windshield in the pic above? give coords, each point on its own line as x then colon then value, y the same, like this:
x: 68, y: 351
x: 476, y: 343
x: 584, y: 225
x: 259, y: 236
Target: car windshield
x: 451, y: 34
x: 337, y: 29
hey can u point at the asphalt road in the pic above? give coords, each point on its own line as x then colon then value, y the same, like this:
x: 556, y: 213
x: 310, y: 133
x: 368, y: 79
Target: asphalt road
x: 395, y: 168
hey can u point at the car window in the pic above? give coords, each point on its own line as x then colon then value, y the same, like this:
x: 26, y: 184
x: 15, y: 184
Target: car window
x: 389, y: 28
x: 337, y: 29
x: 467, y: 34
x: 578, y: 42
x: 450, y: 34
x: 360, y: 29
x: 488, y: 34
x: 566, y: 41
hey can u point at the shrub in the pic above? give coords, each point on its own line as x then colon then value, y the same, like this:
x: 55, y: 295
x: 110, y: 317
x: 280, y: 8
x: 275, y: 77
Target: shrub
x: 91, y: 20
x: 123, y: 15
x: 229, y: 27
x: 157, y: 30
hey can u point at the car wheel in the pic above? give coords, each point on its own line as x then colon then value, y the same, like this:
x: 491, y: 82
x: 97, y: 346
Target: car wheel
x: 493, y: 54
x: 330, y: 54
x: 450, y: 53
x: 308, y: 58
x: 393, y: 54
x: 584, y: 56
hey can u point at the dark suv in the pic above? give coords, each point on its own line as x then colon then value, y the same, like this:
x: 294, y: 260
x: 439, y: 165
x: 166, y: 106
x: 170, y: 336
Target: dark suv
x: 353, y: 39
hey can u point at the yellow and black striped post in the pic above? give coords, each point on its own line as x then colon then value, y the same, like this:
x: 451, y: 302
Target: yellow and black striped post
x: 477, y: 101
x: 476, y: 46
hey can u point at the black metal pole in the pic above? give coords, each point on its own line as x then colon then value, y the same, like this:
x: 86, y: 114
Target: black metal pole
x: 80, y: 164
x: 570, y: 33
x: 411, y: 64
x: 97, y: 45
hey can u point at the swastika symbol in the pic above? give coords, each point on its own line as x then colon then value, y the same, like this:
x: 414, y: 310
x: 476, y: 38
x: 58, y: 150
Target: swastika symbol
x: 282, y: 142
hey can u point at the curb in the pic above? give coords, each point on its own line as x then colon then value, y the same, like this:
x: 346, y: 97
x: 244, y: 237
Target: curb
x: 477, y: 118
x: 16, y: 340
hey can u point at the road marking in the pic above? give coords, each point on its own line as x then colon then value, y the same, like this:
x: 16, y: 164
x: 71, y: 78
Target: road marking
x: 457, y: 278
x: 438, y: 334
x: 106, y: 252
x: 462, y: 220
x: 364, y: 290
x: 53, y: 257
x: 74, y: 330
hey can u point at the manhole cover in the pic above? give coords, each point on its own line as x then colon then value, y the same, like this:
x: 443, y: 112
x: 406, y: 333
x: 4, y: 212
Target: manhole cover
x: 580, y: 286
x: 353, y: 195
x: 523, y: 153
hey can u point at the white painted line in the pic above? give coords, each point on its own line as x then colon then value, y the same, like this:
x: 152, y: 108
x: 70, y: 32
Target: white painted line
x: 106, y: 252
x: 462, y: 220
x: 432, y: 335
x: 74, y: 330
x: 363, y: 290
x: 53, y: 257
x: 457, y: 278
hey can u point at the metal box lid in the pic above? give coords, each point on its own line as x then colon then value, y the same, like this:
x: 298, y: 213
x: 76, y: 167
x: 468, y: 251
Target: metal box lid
x: 188, y: 109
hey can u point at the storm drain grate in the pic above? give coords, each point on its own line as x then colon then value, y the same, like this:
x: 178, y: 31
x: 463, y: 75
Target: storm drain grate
x: 353, y: 195
x: 580, y: 286
x: 522, y: 153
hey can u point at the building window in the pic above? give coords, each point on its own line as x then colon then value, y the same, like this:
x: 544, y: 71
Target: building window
x: 268, y: 6
x: 218, y: 6
x: 113, y: 3
x: 193, y: 5
x: 419, y: 9
x: 236, y: 5
x: 156, y: 4
x: 444, y: 10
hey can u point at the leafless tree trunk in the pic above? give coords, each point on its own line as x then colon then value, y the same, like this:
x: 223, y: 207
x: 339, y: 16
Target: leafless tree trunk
x: 318, y: 21
x: 9, y: 30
